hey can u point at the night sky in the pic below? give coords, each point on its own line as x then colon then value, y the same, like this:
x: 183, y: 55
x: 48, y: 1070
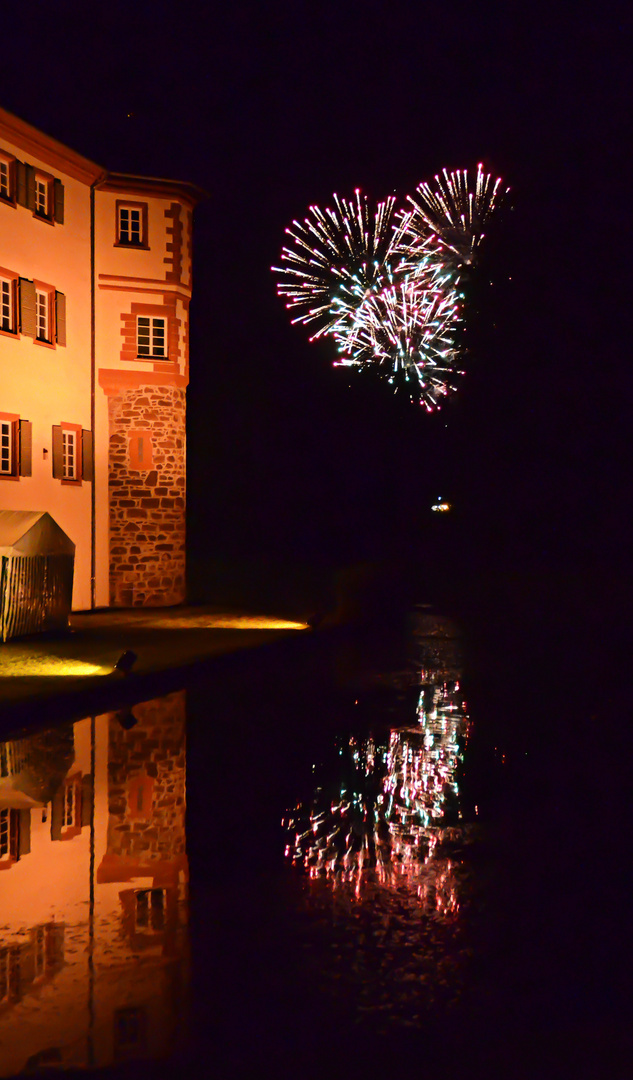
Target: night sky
x: 272, y: 106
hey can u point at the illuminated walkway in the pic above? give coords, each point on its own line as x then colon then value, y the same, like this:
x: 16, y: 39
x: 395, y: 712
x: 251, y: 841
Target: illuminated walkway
x: 52, y: 674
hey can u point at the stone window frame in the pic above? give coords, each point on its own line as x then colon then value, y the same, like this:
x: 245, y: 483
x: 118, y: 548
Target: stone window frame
x: 173, y: 328
x: 140, y: 450
x: 140, y: 796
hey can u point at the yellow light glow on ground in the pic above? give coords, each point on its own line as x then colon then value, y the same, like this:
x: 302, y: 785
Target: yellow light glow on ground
x: 225, y: 622
x: 34, y: 666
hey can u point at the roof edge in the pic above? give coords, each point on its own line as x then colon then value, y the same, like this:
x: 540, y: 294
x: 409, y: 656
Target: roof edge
x: 49, y: 149
x: 80, y: 168
x: 127, y: 183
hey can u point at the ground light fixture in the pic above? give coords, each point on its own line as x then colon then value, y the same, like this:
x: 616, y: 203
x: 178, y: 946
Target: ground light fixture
x: 126, y: 662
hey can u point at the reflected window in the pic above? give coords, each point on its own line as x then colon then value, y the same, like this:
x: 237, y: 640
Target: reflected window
x: 130, y: 1028
x: 39, y: 951
x: 40, y: 957
x: 150, y: 909
x: 9, y: 834
x: 69, y: 815
x: 9, y: 974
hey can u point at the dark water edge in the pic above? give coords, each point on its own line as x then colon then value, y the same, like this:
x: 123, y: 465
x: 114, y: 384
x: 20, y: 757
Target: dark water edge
x: 546, y: 987
x: 549, y: 983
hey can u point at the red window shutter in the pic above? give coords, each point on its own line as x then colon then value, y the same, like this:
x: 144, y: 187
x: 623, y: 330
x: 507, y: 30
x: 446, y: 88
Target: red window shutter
x: 30, y: 187
x: 58, y: 453
x: 20, y: 182
x: 87, y: 455
x: 59, y: 203
x: 27, y: 307
x: 26, y: 432
x: 60, y: 318
x: 24, y: 833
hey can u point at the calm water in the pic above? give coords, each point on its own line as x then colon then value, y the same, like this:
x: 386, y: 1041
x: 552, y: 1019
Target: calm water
x: 317, y: 858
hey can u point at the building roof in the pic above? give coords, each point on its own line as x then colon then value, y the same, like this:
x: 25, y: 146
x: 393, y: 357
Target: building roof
x: 32, y: 532
x: 47, y: 149
x: 127, y: 184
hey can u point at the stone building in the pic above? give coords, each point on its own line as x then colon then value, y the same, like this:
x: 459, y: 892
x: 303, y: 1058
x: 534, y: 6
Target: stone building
x: 95, y: 286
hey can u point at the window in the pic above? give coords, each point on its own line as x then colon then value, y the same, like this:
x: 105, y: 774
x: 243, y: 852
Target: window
x: 9, y: 974
x: 72, y: 453
x: 42, y: 315
x: 131, y: 224
x: 71, y: 799
x: 7, y: 306
x: 70, y: 806
x: 7, y: 451
x: 151, y: 338
x: 15, y: 446
x: 150, y: 909
x: 41, y: 197
x: 9, y: 842
x: 69, y: 454
x: 130, y: 1031
x: 7, y: 178
x: 8, y: 296
x: 39, y: 950
x: 42, y: 311
x: 41, y: 194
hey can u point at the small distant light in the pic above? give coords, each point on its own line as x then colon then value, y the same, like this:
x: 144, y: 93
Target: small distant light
x: 441, y: 507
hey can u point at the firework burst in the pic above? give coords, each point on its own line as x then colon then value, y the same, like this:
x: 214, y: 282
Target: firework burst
x: 408, y: 334
x: 456, y: 207
x: 337, y: 258
x: 385, y: 283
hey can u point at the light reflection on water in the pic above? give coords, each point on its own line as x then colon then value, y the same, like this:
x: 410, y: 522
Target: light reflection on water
x: 93, y: 890
x: 383, y: 844
x: 94, y: 950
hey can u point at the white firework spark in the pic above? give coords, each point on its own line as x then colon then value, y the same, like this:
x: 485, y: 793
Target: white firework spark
x: 456, y: 207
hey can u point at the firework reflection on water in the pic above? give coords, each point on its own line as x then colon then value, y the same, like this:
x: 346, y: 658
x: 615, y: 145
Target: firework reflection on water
x: 383, y: 847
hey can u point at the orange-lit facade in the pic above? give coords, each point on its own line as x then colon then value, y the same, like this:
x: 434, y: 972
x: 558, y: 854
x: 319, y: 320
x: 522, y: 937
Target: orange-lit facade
x: 94, y: 954
x: 95, y: 285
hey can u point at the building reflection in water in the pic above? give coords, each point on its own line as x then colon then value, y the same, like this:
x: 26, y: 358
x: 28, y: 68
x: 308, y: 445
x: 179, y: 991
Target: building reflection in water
x: 383, y: 841
x: 93, y: 890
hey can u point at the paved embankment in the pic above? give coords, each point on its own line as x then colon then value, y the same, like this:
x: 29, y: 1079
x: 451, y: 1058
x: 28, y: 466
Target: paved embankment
x: 53, y: 677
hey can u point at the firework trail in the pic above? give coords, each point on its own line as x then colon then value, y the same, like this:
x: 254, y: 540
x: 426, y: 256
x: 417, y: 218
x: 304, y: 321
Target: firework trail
x: 408, y: 334
x: 337, y: 258
x: 456, y: 208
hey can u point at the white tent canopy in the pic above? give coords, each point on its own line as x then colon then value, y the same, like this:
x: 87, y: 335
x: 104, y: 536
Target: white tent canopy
x: 32, y: 532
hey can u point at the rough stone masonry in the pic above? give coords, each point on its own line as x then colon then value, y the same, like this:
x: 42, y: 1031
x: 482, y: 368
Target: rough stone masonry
x: 147, y: 496
x: 152, y: 751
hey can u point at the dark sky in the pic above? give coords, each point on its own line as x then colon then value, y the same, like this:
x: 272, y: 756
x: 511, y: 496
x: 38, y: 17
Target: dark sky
x: 272, y: 106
